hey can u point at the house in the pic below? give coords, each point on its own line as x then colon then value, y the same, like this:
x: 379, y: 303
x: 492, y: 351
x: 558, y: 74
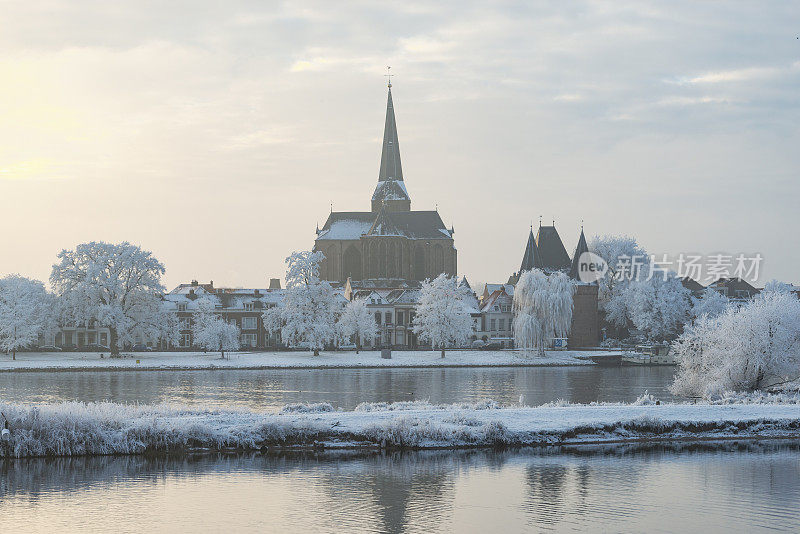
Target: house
x: 242, y: 307
x: 736, y: 289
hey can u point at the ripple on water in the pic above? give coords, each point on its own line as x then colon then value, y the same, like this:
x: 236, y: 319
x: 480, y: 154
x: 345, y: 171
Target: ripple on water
x: 709, y: 488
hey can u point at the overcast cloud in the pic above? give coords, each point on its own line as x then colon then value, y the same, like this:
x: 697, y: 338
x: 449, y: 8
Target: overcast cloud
x: 217, y: 134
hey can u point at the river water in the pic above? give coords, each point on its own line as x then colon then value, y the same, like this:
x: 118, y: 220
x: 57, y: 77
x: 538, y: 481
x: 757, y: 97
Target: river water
x: 731, y: 489
x: 343, y: 388
x: 666, y: 488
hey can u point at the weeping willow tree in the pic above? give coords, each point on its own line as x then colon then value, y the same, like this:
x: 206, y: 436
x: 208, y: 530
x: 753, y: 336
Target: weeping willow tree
x: 542, y: 309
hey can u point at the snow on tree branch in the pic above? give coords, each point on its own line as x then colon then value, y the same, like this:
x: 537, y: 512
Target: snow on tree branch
x: 357, y: 323
x: 212, y: 332
x: 443, y: 313
x: 744, y: 349
x: 25, y: 312
x: 117, y: 285
x: 308, y: 313
x: 542, y: 308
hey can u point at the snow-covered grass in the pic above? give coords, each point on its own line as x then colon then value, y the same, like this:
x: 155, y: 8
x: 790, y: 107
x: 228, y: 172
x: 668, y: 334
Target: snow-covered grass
x: 104, y: 428
x: 36, y: 361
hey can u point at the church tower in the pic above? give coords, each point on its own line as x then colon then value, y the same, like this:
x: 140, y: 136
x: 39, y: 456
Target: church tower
x: 391, y: 189
x: 390, y: 246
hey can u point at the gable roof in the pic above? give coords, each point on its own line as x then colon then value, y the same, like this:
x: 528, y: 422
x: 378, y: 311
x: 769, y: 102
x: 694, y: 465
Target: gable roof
x: 384, y: 225
x: 691, y: 284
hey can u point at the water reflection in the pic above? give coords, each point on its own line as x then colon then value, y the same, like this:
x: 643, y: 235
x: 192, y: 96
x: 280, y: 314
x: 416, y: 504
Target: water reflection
x: 701, y: 487
x: 345, y: 388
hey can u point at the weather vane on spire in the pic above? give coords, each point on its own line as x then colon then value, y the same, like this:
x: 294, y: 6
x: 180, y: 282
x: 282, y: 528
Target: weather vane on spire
x: 389, y: 75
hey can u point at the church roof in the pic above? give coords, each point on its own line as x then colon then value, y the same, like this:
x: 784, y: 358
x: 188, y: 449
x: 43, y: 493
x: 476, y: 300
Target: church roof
x: 580, y: 249
x: 384, y: 225
x: 346, y: 225
x: 551, y: 249
x: 351, y: 225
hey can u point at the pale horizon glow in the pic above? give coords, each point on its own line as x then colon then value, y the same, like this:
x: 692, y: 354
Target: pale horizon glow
x: 218, y: 135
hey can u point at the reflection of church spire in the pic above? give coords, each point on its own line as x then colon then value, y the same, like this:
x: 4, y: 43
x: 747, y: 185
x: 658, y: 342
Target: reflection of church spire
x: 391, y: 187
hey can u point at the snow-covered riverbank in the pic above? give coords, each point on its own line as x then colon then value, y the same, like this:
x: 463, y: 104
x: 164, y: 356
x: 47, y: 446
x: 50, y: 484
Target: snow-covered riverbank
x: 56, y: 361
x: 105, y: 428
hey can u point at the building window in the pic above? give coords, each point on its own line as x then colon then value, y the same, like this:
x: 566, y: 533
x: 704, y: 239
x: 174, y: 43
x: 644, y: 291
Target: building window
x: 249, y: 340
x: 186, y: 340
x: 185, y: 323
x: 248, y: 306
x: 492, y: 324
x: 400, y: 318
x: 502, y: 324
x: 377, y: 318
x: 181, y: 307
x: 248, y: 323
x: 388, y: 317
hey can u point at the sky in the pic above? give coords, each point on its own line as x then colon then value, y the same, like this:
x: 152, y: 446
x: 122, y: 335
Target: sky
x: 218, y: 134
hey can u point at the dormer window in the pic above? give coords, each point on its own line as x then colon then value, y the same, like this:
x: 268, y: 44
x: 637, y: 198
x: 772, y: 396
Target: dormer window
x: 181, y: 307
x: 248, y: 306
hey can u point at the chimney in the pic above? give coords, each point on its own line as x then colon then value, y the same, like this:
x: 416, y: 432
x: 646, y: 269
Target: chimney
x: 274, y: 283
x: 194, y: 283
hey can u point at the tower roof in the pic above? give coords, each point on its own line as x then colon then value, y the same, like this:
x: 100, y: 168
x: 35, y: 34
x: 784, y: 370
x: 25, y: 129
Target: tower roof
x: 580, y: 249
x: 391, y: 169
x: 551, y: 249
x: 530, y: 259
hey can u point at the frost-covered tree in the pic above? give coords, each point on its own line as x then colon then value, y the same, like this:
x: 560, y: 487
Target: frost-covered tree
x: 542, y: 308
x: 307, y: 315
x: 117, y: 285
x: 358, y: 323
x: 658, y: 306
x: 25, y: 312
x: 749, y: 348
x: 776, y: 285
x: 443, y: 312
x: 212, y: 332
x: 711, y: 304
x: 626, y: 261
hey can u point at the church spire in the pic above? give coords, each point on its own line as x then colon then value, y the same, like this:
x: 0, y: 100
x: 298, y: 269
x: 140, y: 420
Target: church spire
x: 391, y: 169
x: 391, y: 189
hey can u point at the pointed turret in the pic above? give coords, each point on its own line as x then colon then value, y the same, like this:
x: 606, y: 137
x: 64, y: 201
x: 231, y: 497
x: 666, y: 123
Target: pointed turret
x: 580, y: 249
x: 530, y: 259
x: 391, y: 187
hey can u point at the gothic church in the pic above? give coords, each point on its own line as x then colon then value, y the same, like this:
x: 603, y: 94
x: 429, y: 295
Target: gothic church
x: 391, y: 242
